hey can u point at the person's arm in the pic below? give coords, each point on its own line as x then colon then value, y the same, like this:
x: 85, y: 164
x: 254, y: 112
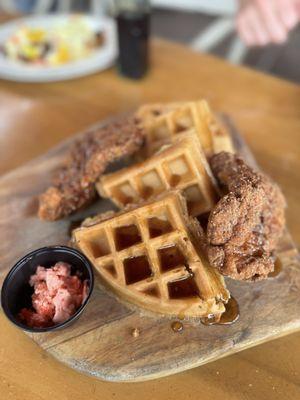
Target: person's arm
x: 260, y: 22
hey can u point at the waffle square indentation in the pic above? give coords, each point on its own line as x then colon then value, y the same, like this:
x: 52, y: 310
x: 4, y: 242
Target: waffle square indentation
x: 98, y: 244
x: 136, y: 269
x: 182, y: 288
x: 127, y: 236
x: 151, y: 184
x: 159, y: 225
x: 124, y: 193
x: 195, y: 200
x: 170, y: 257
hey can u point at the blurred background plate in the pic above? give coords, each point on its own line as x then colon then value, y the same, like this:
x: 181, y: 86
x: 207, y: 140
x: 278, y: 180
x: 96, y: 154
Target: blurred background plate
x: 98, y: 60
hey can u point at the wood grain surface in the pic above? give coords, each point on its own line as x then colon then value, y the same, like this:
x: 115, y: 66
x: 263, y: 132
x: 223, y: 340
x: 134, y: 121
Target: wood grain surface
x: 267, y: 112
x: 101, y: 343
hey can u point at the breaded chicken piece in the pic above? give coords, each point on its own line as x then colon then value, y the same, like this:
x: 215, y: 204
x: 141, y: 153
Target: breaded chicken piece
x: 74, y: 183
x: 245, y: 225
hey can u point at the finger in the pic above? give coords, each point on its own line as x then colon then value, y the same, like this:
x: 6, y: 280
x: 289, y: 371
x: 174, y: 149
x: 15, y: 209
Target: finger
x: 297, y: 7
x: 287, y: 12
x: 260, y: 33
x: 273, y: 24
x: 252, y: 29
x: 244, y: 29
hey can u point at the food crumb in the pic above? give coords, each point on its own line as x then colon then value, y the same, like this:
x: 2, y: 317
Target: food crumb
x: 250, y: 385
x: 135, y: 332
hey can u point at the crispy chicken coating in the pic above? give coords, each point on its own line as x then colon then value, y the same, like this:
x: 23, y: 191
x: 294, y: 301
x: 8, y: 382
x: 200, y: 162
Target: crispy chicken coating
x: 245, y: 225
x: 74, y: 183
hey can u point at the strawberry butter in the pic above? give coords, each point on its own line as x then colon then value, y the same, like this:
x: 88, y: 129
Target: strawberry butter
x: 57, y: 295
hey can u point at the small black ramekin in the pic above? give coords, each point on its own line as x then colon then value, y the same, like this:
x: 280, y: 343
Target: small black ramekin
x: 16, y: 291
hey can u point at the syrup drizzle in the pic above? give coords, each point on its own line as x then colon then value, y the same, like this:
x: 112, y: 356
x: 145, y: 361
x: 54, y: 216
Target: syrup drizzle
x: 183, y: 288
x: 136, y: 269
x: 181, y: 316
x: 127, y: 236
x: 230, y: 315
x: 277, y: 269
x: 170, y: 257
x: 147, y: 192
x: 175, y: 179
x: 177, y: 326
x: 158, y: 226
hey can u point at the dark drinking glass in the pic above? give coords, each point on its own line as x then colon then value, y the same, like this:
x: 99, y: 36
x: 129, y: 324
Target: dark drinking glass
x: 133, y: 21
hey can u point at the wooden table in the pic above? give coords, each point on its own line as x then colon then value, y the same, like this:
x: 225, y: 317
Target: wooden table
x: 266, y: 110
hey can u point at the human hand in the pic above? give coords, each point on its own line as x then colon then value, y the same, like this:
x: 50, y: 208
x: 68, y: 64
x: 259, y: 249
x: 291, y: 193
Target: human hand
x: 260, y: 22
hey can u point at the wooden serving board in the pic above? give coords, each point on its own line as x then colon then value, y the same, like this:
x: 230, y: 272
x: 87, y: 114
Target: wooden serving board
x: 100, y: 343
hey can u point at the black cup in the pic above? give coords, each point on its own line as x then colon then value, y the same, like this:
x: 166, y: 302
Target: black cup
x: 16, y: 291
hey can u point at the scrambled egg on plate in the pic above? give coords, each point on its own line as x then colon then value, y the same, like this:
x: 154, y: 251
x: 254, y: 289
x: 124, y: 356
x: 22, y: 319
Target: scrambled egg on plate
x: 62, y: 43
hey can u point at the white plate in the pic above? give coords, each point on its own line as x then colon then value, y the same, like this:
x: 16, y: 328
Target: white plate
x: 98, y: 60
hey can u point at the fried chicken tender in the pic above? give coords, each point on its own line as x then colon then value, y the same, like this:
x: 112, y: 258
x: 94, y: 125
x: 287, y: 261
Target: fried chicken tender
x: 245, y: 225
x: 74, y: 183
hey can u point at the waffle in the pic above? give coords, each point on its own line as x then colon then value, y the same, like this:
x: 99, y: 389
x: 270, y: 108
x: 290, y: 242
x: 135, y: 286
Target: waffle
x: 148, y: 113
x: 181, y: 165
x: 164, y: 121
x: 222, y: 140
x: 149, y: 255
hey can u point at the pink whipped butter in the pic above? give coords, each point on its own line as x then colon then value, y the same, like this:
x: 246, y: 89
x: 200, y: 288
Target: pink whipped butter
x: 57, y: 295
